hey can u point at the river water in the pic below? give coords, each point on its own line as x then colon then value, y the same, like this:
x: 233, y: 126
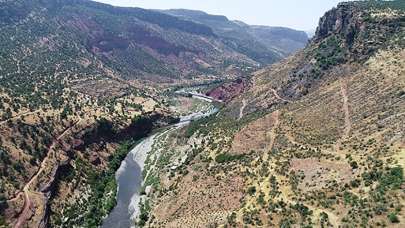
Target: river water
x: 129, y: 175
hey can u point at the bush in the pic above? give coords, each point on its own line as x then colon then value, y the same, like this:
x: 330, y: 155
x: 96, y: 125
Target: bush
x: 223, y: 158
x: 144, y: 213
x: 393, y: 218
x: 251, y: 190
x: 2, y: 222
x: 303, y: 210
x: 324, y: 219
x: 354, y: 165
x: 391, y: 180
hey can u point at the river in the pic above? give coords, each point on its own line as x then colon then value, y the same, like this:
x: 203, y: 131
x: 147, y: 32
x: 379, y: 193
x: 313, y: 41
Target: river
x: 129, y: 175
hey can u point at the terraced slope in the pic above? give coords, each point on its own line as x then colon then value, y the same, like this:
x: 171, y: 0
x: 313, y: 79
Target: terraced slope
x: 316, y: 140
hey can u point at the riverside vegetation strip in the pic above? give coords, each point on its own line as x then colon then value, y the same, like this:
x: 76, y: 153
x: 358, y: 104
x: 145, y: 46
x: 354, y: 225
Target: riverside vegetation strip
x: 102, y: 184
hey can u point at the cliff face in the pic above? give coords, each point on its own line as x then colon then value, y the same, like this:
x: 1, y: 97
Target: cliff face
x: 349, y: 34
x: 315, y: 140
x: 360, y: 27
x: 344, y: 20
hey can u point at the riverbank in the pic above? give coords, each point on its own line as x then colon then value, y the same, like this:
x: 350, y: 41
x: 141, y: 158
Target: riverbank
x: 127, y: 185
x: 130, y: 180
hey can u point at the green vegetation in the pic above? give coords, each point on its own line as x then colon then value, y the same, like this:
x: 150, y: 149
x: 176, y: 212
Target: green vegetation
x: 144, y: 213
x: 330, y: 53
x: 393, y: 217
x: 324, y: 219
x: 381, y: 4
x: 392, y: 179
x: 103, y: 188
x: 251, y: 190
x: 103, y: 191
x: 224, y: 157
x: 153, y: 181
x: 302, y: 209
x: 3, y: 204
x: 197, y: 125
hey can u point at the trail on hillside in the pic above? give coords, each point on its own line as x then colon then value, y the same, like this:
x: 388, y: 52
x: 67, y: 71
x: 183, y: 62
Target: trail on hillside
x: 278, y: 96
x: 333, y: 218
x: 346, y: 111
x: 265, y: 158
x: 276, y: 118
x: 242, y: 108
x: 348, y: 124
x: 25, y: 214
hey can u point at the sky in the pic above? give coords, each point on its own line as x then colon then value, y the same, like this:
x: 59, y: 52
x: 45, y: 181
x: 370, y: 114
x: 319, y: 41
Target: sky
x: 297, y: 14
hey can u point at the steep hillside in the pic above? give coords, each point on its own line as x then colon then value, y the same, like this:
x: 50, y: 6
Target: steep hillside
x: 262, y: 43
x: 315, y: 140
x: 283, y: 40
x: 135, y: 43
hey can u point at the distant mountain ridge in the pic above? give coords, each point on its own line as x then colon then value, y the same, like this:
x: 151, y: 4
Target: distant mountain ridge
x: 280, y: 40
x: 136, y: 43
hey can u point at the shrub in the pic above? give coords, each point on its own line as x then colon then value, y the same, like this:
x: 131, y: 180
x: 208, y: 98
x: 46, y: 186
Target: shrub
x: 144, y: 214
x: 302, y: 209
x: 324, y: 219
x: 391, y: 179
x: 354, y: 165
x: 223, y: 158
x: 251, y: 190
x: 393, y: 218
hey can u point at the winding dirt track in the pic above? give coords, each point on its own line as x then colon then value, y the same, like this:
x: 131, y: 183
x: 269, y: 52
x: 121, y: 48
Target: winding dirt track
x: 26, y: 212
x: 276, y: 118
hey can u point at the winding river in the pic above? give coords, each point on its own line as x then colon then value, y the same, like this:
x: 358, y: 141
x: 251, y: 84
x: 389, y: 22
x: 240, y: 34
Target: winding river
x: 129, y: 175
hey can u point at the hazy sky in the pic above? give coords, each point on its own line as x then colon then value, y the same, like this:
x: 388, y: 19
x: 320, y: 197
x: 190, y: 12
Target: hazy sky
x: 298, y: 14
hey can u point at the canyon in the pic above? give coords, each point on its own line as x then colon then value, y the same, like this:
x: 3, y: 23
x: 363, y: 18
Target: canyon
x: 123, y: 117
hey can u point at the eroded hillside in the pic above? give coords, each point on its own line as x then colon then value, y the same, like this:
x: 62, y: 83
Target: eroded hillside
x: 315, y: 140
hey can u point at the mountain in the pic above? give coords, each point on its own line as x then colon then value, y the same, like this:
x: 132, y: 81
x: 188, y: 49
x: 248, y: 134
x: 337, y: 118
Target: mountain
x: 80, y: 82
x: 272, y: 42
x: 316, y: 140
x: 133, y: 42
